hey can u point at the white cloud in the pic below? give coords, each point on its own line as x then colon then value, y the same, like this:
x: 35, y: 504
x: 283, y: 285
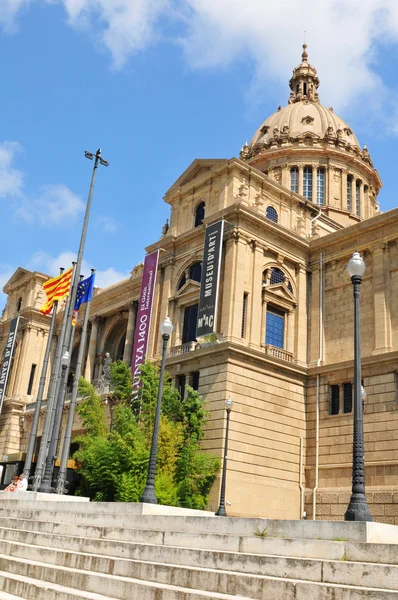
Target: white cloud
x: 11, y: 179
x: 8, y: 12
x: 342, y: 38
x: 57, y: 204
x: 123, y: 26
x: 45, y: 262
x: 106, y: 223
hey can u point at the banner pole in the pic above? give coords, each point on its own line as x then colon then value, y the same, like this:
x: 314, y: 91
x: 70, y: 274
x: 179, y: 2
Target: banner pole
x: 39, y: 397
x: 50, y: 407
x: 63, y: 469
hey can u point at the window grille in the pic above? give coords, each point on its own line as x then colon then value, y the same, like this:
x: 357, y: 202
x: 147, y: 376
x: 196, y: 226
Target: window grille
x: 31, y: 379
x: 320, y: 187
x: 307, y: 183
x: 189, y: 325
x: 349, y: 192
x: 277, y: 276
x: 180, y: 385
x: 244, y: 311
x: 347, y: 397
x: 275, y: 326
x: 195, y: 272
x: 290, y: 288
x: 358, y: 198
x: 199, y: 214
x: 294, y: 179
x: 334, y: 395
x: 271, y: 214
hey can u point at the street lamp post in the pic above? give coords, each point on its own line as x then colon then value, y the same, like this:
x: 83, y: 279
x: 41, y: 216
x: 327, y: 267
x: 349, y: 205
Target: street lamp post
x: 221, y: 509
x: 149, y: 495
x: 358, y: 509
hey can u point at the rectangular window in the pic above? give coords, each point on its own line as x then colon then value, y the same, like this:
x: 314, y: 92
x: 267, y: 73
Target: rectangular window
x: 349, y: 193
x: 320, y: 187
x: 294, y: 180
x: 334, y: 399
x: 189, y: 325
x: 275, y: 326
x: 180, y: 385
x: 347, y: 397
x: 244, y: 311
x: 358, y: 198
x: 31, y: 379
x: 307, y: 183
x: 195, y: 380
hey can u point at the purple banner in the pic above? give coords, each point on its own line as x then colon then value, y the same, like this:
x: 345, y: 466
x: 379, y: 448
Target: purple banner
x: 143, y: 323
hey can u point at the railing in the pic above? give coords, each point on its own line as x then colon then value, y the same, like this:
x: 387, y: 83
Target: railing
x: 183, y: 349
x: 278, y: 353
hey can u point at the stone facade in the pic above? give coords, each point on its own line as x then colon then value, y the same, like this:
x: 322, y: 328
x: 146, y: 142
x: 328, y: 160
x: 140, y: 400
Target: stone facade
x: 296, y: 204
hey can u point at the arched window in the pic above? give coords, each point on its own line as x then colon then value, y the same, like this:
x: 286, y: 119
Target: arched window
x: 294, y: 179
x: 307, y: 183
x: 195, y: 272
x: 277, y: 276
x: 350, y: 180
x: 182, y: 281
x: 271, y: 214
x: 320, y: 186
x: 199, y: 214
x: 19, y: 304
x: 358, y: 198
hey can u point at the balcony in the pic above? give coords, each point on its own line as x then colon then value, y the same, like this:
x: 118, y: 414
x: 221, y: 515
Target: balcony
x: 183, y: 349
x: 278, y: 353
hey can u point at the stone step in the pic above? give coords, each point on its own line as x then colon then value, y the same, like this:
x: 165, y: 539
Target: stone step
x: 241, y: 573
x: 124, y: 516
x: 126, y: 588
x: 26, y: 587
x: 177, y: 554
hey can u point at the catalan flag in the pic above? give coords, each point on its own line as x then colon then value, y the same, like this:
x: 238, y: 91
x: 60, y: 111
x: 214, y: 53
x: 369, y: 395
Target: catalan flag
x: 56, y: 289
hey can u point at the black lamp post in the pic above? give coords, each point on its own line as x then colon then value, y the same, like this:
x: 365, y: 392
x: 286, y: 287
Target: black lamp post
x: 358, y: 509
x: 149, y: 495
x: 221, y: 509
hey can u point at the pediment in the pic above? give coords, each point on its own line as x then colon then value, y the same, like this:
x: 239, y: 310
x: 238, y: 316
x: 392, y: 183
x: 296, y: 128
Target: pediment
x: 188, y: 288
x: 279, y: 293
x: 196, y: 170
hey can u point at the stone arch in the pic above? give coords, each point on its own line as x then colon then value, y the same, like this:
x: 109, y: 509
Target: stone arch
x: 116, y: 338
x: 193, y: 260
x: 266, y: 276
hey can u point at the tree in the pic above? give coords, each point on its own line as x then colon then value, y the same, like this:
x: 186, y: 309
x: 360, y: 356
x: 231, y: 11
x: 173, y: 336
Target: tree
x: 113, y: 464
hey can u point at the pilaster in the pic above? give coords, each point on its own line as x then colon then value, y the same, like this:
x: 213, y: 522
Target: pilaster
x: 382, y: 319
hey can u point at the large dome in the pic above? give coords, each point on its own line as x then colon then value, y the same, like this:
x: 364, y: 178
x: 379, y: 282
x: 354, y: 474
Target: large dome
x: 301, y: 118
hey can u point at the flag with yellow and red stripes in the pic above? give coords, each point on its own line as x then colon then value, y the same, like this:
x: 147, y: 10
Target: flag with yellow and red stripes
x: 56, y: 289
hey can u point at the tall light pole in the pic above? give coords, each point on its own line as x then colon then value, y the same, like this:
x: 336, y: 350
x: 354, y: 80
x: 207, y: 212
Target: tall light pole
x: 221, y: 509
x: 358, y: 509
x: 149, y: 495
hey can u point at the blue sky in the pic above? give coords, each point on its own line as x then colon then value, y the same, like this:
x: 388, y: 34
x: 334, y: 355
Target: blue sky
x: 155, y: 84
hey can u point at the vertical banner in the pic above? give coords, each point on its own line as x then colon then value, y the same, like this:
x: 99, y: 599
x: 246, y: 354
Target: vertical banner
x: 6, y: 364
x: 209, y: 284
x: 143, y: 323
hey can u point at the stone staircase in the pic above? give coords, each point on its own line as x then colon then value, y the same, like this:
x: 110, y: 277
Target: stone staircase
x: 69, y: 551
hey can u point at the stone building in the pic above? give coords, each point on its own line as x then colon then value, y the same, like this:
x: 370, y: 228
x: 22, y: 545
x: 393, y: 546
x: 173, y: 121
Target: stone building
x: 297, y: 203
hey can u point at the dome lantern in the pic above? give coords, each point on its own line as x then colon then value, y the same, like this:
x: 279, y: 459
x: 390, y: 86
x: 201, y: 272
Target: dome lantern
x: 304, y: 83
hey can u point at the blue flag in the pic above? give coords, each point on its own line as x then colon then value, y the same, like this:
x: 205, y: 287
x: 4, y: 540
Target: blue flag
x: 84, y: 291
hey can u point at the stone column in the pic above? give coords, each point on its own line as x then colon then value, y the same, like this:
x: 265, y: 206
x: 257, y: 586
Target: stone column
x: 128, y: 346
x: 314, y: 184
x: 263, y: 320
x: 231, y: 304
x: 256, y: 289
x: 344, y: 174
x: 300, y: 348
x: 382, y: 319
x: 361, y: 201
x: 92, y: 349
x: 286, y: 176
x: 289, y: 333
x: 329, y: 187
x: 300, y: 180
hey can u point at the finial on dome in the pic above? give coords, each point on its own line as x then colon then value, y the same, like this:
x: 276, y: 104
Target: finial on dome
x: 305, y: 82
x: 304, y: 55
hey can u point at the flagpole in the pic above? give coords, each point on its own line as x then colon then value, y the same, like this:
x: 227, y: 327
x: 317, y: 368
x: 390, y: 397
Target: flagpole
x: 45, y: 485
x: 46, y: 482
x: 63, y: 469
x: 51, y: 399
x: 40, y: 391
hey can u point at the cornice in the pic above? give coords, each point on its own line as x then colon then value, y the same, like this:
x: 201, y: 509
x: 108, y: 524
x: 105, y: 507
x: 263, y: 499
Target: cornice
x: 366, y: 361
